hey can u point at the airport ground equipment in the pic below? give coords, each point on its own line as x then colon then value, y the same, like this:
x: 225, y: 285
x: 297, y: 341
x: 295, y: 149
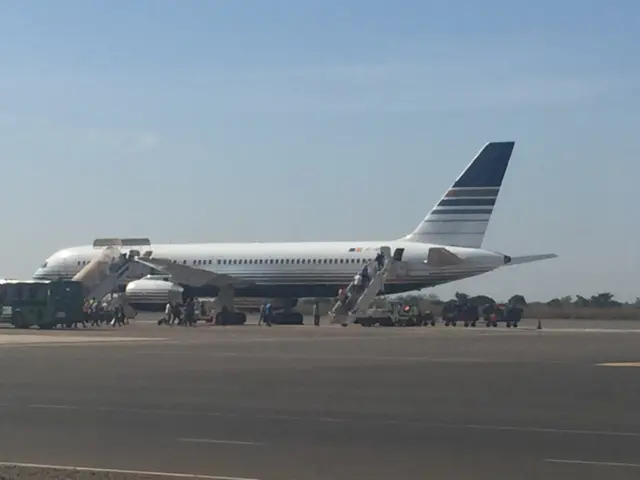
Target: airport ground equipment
x: 347, y: 309
x: 116, y: 260
x: 397, y: 315
x: 44, y: 303
x: 509, y: 314
x: 374, y: 316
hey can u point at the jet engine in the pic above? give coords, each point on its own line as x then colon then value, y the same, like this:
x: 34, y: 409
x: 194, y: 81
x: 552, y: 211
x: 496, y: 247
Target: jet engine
x: 151, y: 293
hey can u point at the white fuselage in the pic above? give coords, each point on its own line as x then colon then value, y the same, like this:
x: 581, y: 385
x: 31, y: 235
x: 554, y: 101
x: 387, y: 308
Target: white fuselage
x: 314, y: 269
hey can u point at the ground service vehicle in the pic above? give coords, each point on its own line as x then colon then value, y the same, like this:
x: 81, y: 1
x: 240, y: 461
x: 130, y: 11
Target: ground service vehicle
x: 397, y: 315
x: 41, y: 303
x: 510, y: 315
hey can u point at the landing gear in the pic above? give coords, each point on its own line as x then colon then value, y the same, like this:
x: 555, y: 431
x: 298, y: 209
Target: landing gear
x: 230, y: 318
x: 227, y: 314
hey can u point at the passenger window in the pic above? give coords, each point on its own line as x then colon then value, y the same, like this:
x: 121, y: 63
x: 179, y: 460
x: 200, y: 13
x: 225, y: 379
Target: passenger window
x: 298, y: 260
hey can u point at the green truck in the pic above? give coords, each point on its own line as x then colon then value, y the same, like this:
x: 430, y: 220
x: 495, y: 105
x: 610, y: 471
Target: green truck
x: 44, y: 304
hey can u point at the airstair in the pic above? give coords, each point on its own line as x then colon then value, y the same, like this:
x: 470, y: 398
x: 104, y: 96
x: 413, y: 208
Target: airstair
x: 358, y: 298
x: 116, y: 261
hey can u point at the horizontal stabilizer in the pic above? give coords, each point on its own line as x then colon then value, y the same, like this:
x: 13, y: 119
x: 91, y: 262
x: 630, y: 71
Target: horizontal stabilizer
x: 441, y: 257
x: 530, y: 258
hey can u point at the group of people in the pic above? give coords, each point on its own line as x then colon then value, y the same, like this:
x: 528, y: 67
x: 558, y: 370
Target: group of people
x: 182, y: 315
x: 360, y: 282
x: 96, y: 313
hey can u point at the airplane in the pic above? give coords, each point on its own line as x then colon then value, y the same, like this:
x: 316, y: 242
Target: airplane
x: 444, y: 247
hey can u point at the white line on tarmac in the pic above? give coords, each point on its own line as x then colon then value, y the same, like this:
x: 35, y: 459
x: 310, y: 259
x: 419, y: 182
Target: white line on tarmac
x: 211, y: 440
x: 418, y: 424
x: 126, y: 472
x: 589, y: 462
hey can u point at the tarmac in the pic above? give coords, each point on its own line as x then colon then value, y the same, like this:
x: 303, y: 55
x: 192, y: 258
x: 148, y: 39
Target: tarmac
x: 322, y: 403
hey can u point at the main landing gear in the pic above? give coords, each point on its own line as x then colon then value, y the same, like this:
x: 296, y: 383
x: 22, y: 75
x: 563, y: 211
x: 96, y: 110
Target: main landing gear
x: 227, y: 314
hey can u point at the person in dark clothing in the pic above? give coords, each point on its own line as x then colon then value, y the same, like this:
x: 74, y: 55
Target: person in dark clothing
x: 190, y: 313
x: 267, y: 314
x: 380, y: 260
x: 177, y: 314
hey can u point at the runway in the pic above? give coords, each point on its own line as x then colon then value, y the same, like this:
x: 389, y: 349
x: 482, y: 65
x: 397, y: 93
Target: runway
x: 307, y: 403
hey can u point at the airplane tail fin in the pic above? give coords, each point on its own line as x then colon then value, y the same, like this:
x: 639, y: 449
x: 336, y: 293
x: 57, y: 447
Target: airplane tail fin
x: 462, y: 215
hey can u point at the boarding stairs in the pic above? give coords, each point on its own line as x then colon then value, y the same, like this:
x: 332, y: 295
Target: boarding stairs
x: 116, y: 261
x: 359, y: 298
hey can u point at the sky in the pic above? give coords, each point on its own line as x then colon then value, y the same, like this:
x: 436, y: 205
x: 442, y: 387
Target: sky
x: 290, y: 120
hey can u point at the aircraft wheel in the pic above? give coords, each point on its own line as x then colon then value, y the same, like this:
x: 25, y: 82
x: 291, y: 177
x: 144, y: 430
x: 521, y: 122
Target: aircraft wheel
x: 473, y: 324
x: 508, y: 325
x: 466, y: 324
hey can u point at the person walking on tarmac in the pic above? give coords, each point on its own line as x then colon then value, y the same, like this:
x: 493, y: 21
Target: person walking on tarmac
x: 316, y: 314
x: 167, y: 314
x: 267, y: 314
x: 190, y: 313
x: 176, y: 313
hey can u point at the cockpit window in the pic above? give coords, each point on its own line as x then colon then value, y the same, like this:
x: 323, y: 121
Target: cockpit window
x: 44, y: 265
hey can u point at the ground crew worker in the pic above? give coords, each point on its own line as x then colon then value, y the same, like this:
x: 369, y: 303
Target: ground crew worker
x: 316, y: 314
x: 261, y: 314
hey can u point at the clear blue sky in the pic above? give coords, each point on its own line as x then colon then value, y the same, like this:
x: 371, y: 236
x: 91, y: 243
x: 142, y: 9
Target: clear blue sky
x: 247, y: 120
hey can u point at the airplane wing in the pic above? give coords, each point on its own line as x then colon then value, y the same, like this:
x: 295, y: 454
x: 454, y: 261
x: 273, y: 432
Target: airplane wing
x: 195, y: 277
x: 530, y: 258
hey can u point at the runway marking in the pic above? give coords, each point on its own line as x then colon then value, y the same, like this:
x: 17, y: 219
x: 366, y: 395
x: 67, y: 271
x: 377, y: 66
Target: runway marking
x: 126, y: 472
x: 210, y: 440
x: 418, y: 424
x: 590, y: 462
x: 59, y: 407
x: 593, y: 330
x: 33, y: 340
x: 619, y: 364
